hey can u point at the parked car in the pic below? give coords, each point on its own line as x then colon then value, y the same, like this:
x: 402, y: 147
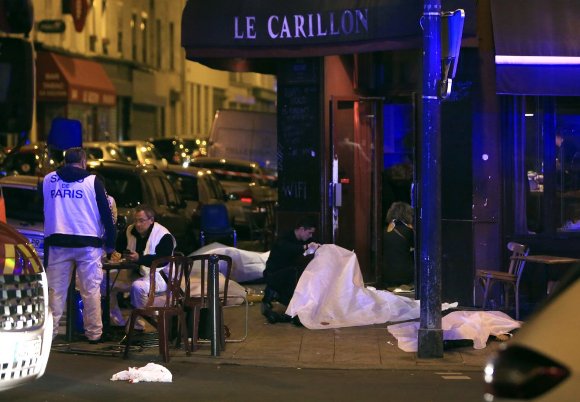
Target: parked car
x: 199, y: 187
x: 244, y: 179
x: 180, y: 151
x: 132, y: 185
x: 103, y: 150
x: 24, y: 209
x: 142, y: 152
x: 542, y: 361
x: 32, y: 159
x: 25, y: 319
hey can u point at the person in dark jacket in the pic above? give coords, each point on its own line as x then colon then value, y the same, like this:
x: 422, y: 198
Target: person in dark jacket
x: 398, y: 243
x: 76, y: 213
x: 288, y: 258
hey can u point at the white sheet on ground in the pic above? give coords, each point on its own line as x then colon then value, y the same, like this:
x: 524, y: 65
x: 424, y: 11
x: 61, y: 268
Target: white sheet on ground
x: 152, y: 372
x: 331, y: 294
x: 474, y: 325
x: 246, y: 265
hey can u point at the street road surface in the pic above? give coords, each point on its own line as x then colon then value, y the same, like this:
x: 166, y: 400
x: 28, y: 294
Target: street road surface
x: 87, y: 378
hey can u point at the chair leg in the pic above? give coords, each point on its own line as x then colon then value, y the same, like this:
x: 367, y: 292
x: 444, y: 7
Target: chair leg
x: 486, y: 285
x: 517, y: 295
x: 162, y: 328
x: 195, y: 313
x: 222, y: 328
x: 183, y: 332
x: 130, y: 333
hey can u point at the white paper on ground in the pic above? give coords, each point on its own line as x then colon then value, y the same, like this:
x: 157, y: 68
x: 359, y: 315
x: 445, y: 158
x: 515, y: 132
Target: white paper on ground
x: 331, y: 294
x: 472, y: 325
x: 152, y: 372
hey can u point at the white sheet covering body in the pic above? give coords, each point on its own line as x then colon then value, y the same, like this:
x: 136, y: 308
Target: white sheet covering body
x: 246, y: 265
x: 331, y: 294
x: 473, y: 325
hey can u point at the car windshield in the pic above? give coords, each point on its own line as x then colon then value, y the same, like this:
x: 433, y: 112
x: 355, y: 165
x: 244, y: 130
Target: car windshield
x: 23, y: 204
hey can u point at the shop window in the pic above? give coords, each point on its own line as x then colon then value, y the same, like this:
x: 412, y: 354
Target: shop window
x: 549, y: 142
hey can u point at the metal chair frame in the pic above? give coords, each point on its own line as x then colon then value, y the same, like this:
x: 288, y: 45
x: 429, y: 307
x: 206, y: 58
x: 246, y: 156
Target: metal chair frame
x: 487, y: 278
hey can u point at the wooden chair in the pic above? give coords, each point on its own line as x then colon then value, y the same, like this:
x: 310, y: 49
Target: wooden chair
x: 487, y: 278
x: 161, y: 308
x: 195, y: 303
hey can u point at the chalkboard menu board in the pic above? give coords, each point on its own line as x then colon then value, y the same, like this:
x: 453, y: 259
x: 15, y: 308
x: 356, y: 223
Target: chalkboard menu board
x: 299, y: 135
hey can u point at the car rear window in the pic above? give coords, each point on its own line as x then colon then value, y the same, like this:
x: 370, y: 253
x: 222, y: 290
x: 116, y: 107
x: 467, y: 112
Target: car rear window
x: 23, y: 204
x: 185, y: 185
x: 125, y: 189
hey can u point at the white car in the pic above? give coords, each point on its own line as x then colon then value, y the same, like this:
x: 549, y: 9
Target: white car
x: 103, y: 150
x: 25, y: 319
x: 541, y: 363
x: 142, y: 152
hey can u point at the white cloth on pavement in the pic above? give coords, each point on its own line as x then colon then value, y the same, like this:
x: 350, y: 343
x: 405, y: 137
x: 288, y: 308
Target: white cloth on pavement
x: 246, y: 265
x: 472, y: 325
x: 152, y: 372
x: 331, y: 294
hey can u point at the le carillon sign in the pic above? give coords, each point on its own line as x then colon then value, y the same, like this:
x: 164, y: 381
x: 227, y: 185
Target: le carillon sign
x: 297, y: 28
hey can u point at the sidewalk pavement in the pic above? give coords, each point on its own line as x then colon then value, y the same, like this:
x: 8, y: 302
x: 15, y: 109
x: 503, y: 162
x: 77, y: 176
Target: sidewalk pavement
x: 285, y: 345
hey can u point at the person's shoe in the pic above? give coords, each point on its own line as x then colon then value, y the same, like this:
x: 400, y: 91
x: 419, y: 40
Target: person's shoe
x: 296, y: 321
x: 96, y: 341
x: 284, y: 318
x: 270, y: 315
x: 117, y: 319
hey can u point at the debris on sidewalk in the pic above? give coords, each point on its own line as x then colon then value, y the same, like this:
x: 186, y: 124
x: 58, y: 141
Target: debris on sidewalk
x: 150, y: 373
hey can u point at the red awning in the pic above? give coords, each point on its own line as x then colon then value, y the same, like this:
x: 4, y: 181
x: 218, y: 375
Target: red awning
x: 68, y: 79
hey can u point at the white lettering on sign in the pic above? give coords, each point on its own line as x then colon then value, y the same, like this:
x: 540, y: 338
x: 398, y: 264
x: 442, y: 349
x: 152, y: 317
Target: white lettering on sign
x: 343, y: 23
x: 249, y: 32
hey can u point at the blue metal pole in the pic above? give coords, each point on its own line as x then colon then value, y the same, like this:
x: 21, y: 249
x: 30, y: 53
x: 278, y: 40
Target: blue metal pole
x: 430, y: 336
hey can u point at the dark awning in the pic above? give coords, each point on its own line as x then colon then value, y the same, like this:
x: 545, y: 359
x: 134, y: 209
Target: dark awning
x: 69, y: 79
x: 537, y: 47
x: 246, y: 35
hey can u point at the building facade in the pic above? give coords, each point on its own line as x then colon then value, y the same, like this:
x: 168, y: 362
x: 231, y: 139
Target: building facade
x: 349, y: 101
x: 119, y: 68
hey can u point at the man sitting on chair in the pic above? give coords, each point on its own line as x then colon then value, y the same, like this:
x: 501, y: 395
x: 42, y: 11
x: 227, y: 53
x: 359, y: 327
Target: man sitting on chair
x: 144, y: 241
x: 288, y: 259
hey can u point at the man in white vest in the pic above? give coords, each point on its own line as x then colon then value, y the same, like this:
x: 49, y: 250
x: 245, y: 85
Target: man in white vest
x: 76, y: 213
x: 145, y: 241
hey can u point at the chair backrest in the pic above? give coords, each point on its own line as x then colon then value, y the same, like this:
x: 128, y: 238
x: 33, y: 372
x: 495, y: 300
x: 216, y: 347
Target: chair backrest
x: 516, y: 265
x: 214, y: 217
x: 203, y: 260
x: 176, y: 268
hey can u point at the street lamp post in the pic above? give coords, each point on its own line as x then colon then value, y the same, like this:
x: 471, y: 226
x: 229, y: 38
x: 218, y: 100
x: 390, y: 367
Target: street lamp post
x: 430, y: 336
